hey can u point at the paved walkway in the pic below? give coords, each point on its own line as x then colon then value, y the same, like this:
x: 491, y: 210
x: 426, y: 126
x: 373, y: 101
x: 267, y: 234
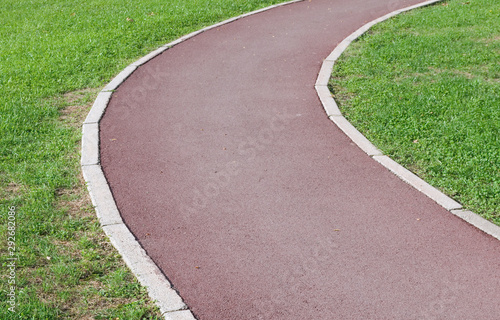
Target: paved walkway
x: 256, y: 206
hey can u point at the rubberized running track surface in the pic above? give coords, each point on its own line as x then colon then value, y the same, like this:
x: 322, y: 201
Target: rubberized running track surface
x: 227, y: 170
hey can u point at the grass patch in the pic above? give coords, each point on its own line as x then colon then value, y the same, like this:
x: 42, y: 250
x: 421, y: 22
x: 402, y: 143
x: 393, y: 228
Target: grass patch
x: 424, y: 88
x: 54, y: 57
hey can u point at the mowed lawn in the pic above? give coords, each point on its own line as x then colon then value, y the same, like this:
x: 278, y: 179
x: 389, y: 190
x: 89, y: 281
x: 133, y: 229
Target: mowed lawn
x: 54, y: 58
x: 424, y: 87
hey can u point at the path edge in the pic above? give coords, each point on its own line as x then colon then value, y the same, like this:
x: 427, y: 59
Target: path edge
x: 334, y: 114
x: 159, y: 288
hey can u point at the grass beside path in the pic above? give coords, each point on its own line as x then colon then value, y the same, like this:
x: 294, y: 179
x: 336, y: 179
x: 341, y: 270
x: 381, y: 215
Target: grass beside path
x: 54, y: 57
x: 424, y: 87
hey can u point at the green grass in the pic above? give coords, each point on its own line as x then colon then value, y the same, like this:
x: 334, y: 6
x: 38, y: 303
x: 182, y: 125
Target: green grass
x: 54, y: 57
x: 425, y: 88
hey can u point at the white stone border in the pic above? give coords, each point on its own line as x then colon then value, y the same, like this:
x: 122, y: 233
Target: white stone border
x: 335, y: 115
x: 147, y: 272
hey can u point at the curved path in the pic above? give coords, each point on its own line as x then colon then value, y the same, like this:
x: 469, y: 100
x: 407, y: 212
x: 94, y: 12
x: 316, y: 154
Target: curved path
x: 226, y: 169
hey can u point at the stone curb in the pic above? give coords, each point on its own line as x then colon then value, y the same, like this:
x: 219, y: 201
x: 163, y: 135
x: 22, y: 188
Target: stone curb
x: 146, y: 271
x: 329, y: 104
x: 98, y: 107
x: 419, y: 184
x: 101, y: 196
x: 357, y: 137
x: 90, y: 144
x: 122, y: 76
x: 478, y: 221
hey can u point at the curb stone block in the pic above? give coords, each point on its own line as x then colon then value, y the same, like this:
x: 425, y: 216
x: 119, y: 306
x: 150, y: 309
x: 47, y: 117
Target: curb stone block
x: 98, y: 107
x: 220, y: 24
x: 90, y: 144
x: 324, y: 73
x: 478, y: 221
x: 359, y: 139
x: 149, y: 56
x: 101, y: 196
x: 149, y: 275
x: 118, y: 80
x: 159, y: 290
x: 179, y: 315
x: 422, y: 186
x: 328, y: 102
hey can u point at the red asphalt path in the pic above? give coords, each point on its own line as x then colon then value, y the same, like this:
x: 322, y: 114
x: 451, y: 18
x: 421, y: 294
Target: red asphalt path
x: 227, y: 170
